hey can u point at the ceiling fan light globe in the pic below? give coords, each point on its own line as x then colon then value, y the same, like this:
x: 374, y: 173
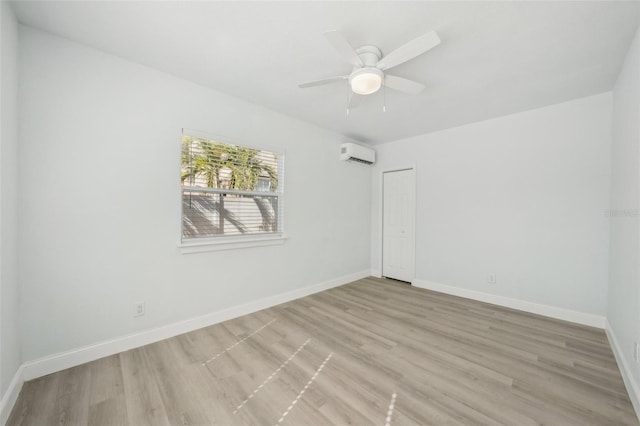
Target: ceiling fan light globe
x: 366, y: 81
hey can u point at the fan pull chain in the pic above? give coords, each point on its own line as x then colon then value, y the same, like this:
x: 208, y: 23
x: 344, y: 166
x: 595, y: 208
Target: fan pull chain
x: 348, y: 97
x: 384, y: 97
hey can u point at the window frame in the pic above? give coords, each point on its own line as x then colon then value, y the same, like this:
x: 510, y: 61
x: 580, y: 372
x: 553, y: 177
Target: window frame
x: 229, y: 242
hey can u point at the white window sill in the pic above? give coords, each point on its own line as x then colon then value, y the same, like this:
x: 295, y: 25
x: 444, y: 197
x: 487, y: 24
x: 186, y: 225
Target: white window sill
x: 230, y: 243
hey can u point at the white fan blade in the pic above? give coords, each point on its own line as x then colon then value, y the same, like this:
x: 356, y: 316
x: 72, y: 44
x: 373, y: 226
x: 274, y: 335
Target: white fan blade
x: 409, y: 50
x: 403, y: 85
x: 323, y: 81
x: 343, y: 47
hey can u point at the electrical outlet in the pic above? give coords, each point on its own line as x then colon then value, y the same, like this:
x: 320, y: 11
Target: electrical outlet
x: 636, y: 351
x: 491, y: 279
x: 139, y: 309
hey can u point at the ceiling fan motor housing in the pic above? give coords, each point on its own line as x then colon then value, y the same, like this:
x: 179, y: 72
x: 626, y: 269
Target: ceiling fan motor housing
x: 370, y: 55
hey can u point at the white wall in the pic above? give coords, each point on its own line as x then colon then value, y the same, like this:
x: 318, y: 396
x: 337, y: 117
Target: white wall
x: 100, y: 205
x: 623, y: 311
x: 9, y: 329
x: 522, y: 196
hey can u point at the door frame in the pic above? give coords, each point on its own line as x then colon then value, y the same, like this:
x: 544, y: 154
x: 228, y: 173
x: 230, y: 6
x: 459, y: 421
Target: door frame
x: 381, y: 223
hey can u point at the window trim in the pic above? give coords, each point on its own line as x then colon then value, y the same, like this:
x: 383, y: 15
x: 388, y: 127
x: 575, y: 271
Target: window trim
x: 230, y: 242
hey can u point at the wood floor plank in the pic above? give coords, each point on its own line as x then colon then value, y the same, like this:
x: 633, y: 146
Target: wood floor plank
x: 73, y: 395
x: 449, y: 360
x: 144, y: 403
x: 175, y: 383
x: 107, y: 402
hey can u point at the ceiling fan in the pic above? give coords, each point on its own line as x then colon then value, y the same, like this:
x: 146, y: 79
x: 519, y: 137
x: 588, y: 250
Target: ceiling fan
x: 369, y: 66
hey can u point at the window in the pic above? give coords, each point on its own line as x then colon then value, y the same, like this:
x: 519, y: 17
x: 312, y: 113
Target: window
x: 229, y: 191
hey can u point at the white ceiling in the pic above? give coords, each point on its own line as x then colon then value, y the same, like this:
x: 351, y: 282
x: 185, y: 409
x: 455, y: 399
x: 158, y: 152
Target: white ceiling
x: 496, y: 58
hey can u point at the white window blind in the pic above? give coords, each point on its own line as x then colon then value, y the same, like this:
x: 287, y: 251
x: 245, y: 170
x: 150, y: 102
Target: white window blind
x: 229, y: 190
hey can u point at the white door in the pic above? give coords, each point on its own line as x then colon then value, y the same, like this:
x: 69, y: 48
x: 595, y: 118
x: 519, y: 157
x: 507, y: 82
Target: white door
x: 398, y: 217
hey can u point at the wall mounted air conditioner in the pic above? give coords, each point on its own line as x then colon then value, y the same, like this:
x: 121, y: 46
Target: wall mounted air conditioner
x: 353, y: 152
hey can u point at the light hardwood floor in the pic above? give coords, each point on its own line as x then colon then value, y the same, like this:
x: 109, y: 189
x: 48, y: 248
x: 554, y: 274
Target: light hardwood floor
x: 338, y: 357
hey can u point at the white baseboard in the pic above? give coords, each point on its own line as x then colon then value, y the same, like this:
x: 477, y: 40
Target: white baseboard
x: 376, y: 273
x: 522, y: 305
x: 11, y: 395
x: 52, y: 363
x: 627, y: 376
